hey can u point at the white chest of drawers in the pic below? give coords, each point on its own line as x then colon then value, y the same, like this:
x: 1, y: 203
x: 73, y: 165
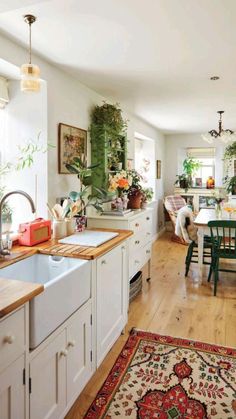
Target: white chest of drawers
x: 140, y: 244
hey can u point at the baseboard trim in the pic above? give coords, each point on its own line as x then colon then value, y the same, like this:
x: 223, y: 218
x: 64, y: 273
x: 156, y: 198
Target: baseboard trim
x: 159, y: 234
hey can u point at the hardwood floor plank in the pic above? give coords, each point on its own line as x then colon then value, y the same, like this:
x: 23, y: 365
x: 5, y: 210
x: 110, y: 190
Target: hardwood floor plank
x: 173, y: 305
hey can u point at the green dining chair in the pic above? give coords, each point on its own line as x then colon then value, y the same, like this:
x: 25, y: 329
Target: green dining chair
x: 223, y: 238
x: 192, y: 255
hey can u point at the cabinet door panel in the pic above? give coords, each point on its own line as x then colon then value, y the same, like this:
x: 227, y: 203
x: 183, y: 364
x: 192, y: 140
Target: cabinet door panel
x: 48, y: 380
x: 79, y: 365
x: 12, y: 391
x: 110, y: 300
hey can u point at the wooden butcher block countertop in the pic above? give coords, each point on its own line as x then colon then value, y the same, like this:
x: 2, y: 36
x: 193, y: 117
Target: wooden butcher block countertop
x: 15, y: 293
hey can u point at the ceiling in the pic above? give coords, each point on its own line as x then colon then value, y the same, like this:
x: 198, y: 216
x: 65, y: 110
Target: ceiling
x: 153, y: 56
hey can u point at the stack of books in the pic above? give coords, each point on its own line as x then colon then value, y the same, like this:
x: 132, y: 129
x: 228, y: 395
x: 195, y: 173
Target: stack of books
x: 118, y: 213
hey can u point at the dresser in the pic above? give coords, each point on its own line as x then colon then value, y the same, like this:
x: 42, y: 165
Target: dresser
x: 140, y: 244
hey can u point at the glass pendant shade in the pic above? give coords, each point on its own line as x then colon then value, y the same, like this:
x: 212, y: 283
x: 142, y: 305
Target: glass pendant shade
x: 30, y: 81
x: 30, y: 73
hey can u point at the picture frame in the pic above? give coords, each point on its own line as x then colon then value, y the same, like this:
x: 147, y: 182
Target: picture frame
x: 72, y: 142
x: 158, y: 169
x: 130, y: 164
x: 198, y: 182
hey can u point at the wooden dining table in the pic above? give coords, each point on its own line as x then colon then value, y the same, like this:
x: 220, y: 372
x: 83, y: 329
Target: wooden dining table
x: 201, y: 222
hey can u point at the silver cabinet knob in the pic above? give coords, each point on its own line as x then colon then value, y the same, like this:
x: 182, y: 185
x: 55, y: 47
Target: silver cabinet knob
x: 137, y: 242
x: 64, y: 352
x: 123, y: 248
x: 9, y: 339
x: 136, y: 261
x: 148, y: 251
x: 104, y: 262
x: 147, y: 218
x: 136, y: 224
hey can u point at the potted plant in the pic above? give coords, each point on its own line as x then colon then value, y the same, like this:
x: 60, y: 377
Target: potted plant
x: 183, y: 181
x: 147, y: 195
x: 190, y: 167
x: 84, y: 197
x: 135, y: 190
x: 231, y: 185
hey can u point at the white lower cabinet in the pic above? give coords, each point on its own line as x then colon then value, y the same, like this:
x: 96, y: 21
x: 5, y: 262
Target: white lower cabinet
x: 79, y: 359
x: 112, y: 285
x: 12, y: 391
x: 61, y: 369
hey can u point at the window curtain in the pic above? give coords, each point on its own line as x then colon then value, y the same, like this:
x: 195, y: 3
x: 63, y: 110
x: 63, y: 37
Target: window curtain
x: 199, y: 153
x: 4, y: 97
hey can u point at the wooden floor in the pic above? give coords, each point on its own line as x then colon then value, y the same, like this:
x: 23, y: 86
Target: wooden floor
x: 174, y: 305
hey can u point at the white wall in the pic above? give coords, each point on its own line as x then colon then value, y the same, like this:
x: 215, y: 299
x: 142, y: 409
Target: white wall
x: 176, y: 145
x: 20, y: 122
x: 71, y: 102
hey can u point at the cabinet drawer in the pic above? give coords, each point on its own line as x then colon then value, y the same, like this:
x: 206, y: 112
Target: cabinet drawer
x: 136, y: 242
x: 147, y: 251
x: 12, y: 337
x: 136, y: 262
x: 137, y: 225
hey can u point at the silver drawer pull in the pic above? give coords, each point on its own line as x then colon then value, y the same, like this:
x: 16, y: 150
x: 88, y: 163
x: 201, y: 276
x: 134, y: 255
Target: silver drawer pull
x: 148, y: 234
x: 71, y: 343
x: 148, y: 251
x: 137, y: 225
x: 9, y: 339
x: 148, y: 218
x: 137, y: 241
x: 64, y: 352
x: 104, y: 262
x: 123, y: 248
x: 136, y: 261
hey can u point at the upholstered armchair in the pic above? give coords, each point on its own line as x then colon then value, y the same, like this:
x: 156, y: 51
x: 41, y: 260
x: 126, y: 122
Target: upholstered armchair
x: 172, y: 204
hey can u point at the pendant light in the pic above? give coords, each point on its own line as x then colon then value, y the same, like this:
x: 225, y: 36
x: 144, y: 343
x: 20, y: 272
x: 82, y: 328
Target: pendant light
x: 30, y: 81
x: 225, y: 135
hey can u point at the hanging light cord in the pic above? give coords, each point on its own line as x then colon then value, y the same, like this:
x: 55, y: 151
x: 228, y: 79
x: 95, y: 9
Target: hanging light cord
x: 30, y: 53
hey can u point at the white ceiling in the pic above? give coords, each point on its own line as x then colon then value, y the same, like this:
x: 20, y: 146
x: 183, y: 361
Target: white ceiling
x: 153, y: 56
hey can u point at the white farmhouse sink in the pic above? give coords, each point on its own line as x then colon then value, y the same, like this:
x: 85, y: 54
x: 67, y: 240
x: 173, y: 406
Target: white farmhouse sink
x: 67, y: 285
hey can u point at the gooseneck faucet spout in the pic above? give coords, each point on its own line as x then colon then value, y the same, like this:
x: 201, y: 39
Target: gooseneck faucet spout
x: 4, y: 252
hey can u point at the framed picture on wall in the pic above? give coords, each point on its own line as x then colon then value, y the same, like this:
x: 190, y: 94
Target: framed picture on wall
x: 72, y: 142
x: 158, y: 169
x: 130, y: 164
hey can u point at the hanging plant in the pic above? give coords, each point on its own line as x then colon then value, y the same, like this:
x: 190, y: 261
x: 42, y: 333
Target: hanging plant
x: 110, y: 116
x: 229, y: 156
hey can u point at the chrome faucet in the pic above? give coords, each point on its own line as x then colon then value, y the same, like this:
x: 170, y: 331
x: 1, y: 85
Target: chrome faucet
x: 3, y: 251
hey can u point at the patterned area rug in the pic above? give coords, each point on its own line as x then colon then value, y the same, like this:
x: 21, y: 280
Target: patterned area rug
x: 168, y: 378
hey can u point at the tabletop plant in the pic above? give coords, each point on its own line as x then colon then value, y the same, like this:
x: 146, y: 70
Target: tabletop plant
x: 88, y: 196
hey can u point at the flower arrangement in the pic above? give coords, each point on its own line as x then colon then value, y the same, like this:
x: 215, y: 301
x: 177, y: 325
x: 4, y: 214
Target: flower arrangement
x: 120, y: 182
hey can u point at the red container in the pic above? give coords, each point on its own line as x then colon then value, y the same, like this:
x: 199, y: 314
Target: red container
x: 34, y: 232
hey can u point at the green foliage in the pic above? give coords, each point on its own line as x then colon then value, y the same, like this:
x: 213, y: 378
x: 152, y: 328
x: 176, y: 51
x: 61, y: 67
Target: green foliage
x: 110, y: 116
x: 79, y: 167
x: 147, y: 194
x: 191, y: 166
x: 108, y: 142
x: 230, y: 151
x: 230, y: 184
x: 28, y: 152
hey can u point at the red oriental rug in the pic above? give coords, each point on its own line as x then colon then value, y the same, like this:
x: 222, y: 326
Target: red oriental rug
x: 168, y: 378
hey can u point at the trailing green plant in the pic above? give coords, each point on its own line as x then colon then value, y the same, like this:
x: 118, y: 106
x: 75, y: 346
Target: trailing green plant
x: 108, y: 141
x: 110, y: 116
x: 230, y: 151
x: 230, y: 184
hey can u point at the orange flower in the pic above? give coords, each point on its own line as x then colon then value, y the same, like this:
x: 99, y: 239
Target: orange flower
x: 123, y: 183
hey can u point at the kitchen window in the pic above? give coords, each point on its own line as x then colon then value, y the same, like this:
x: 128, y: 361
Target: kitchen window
x: 206, y: 157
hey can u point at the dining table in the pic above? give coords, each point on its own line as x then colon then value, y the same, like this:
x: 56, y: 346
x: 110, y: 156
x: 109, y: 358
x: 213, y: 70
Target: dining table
x: 201, y: 222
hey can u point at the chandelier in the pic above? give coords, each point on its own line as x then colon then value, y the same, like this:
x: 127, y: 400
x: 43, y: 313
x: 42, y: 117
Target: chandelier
x: 30, y: 81
x: 225, y: 135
